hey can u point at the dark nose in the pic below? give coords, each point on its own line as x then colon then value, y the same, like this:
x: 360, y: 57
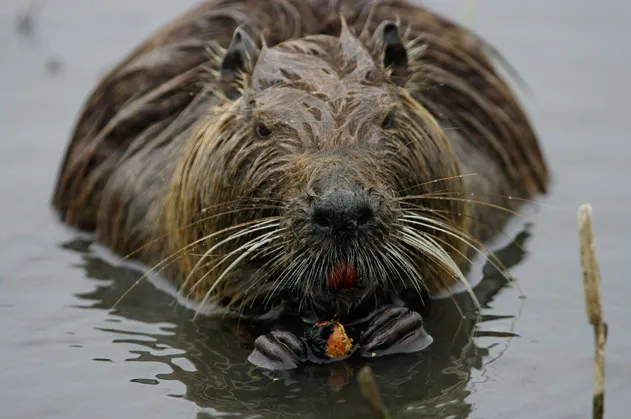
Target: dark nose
x: 342, y: 211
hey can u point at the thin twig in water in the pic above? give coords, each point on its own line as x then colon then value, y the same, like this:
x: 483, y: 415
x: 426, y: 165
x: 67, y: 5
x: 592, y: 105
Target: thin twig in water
x: 593, y: 305
x: 370, y: 391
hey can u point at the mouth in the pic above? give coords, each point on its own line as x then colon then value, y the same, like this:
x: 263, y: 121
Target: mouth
x: 343, y: 277
x: 345, y: 294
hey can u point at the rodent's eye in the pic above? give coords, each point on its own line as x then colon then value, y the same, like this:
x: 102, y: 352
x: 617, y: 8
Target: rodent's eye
x: 388, y: 121
x: 262, y: 130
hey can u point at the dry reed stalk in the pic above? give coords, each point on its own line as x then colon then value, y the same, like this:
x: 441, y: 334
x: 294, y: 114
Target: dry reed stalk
x: 593, y: 305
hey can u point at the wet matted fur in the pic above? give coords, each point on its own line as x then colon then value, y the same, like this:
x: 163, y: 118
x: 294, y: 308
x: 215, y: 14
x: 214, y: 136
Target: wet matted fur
x: 212, y: 175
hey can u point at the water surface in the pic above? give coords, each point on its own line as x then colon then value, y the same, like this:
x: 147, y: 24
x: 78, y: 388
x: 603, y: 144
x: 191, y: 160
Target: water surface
x: 65, y: 354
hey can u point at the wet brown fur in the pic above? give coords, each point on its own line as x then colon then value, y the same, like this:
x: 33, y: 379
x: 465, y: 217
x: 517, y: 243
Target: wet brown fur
x: 161, y: 156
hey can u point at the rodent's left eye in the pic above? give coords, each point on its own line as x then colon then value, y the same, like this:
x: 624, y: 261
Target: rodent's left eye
x: 262, y: 130
x: 388, y: 121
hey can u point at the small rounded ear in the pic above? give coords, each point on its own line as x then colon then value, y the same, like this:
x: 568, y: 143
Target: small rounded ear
x: 395, y: 57
x: 240, y: 58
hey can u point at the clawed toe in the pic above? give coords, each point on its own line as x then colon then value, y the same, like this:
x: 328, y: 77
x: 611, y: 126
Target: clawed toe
x: 278, y: 350
x: 395, y: 330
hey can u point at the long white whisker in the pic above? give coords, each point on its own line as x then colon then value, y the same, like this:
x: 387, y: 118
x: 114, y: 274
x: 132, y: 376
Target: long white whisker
x: 447, y: 229
x: 228, y: 256
x: 381, y: 263
x: 257, y: 280
x: 405, y: 264
x: 264, y: 240
x: 431, y: 248
x: 251, y: 229
x: 169, y: 258
x: 401, y: 261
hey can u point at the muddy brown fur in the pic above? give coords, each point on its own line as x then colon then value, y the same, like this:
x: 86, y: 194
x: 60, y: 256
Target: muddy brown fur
x: 174, y: 152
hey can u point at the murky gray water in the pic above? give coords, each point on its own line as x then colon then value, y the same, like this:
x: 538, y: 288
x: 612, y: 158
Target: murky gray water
x: 63, y: 354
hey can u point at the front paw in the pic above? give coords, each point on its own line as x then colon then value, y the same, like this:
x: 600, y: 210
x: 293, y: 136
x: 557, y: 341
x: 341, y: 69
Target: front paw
x: 278, y: 350
x: 394, y: 330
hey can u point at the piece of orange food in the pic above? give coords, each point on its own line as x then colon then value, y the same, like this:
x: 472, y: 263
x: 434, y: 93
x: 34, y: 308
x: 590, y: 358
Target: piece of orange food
x: 338, y: 343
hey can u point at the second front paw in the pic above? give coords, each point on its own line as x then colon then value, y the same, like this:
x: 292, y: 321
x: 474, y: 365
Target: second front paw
x: 394, y: 330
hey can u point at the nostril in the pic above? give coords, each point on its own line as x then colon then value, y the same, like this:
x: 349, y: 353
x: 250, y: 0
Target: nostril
x: 364, y: 215
x: 321, y: 219
x: 342, y: 212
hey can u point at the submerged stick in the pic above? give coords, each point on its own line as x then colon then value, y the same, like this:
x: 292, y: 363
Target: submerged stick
x: 593, y: 305
x: 368, y: 388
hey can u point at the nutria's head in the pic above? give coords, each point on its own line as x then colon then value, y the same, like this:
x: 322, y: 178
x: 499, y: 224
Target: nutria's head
x: 317, y: 180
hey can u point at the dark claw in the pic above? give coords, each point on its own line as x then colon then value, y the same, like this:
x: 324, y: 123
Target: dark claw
x: 278, y: 350
x: 395, y: 330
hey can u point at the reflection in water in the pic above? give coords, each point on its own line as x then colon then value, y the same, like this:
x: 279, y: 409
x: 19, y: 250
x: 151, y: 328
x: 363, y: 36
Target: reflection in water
x: 209, y: 355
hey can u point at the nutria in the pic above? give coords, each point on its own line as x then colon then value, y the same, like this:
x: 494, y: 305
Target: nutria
x: 331, y: 158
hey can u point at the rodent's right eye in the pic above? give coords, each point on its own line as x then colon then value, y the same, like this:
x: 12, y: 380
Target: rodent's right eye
x: 388, y: 121
x: 262, y: 130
